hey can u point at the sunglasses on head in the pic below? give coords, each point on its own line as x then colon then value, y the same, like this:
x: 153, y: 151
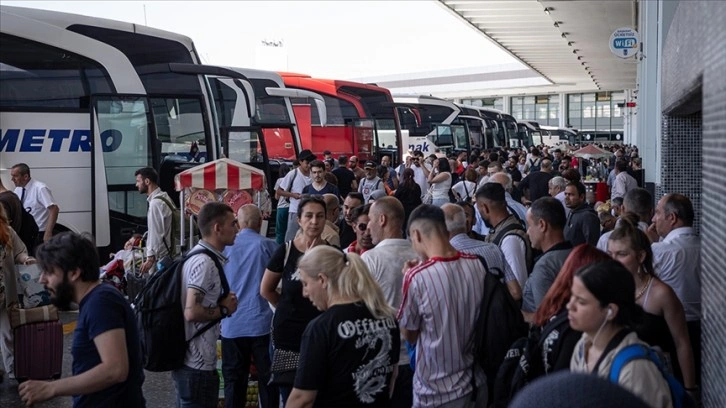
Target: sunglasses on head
x: 362, y: 226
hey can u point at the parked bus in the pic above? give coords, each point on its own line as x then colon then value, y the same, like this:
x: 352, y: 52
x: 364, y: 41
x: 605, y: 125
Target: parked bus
x: 86, y: 101
x: 568, y: 135
x: 361, y: 118
x: 531, y: 131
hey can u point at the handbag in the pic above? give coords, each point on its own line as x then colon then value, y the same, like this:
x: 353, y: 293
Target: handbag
x: 19, y: 317
x: 283, y: 367
x: 33, y: 292
x: 428, y: 198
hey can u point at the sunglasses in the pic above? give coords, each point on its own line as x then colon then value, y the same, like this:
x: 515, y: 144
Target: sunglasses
x: 362, y: 226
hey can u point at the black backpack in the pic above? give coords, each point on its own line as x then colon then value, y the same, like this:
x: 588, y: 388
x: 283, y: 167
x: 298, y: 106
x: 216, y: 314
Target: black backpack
x: 535, y: 165
x: 28, y: 230
x: 524, y: 361
x: 160, y: 315
x: 499, y: 324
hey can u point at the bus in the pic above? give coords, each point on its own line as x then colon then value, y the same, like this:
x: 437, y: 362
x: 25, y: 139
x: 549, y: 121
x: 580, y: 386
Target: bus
x: 564, y: 135
x: 531, y: 131
x: 86, y: 101
x: 429, y: 123
x: 273, y: 124
x: 361, y: 118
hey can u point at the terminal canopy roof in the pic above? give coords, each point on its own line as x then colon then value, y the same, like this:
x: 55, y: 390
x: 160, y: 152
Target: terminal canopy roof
x: 567, y: 42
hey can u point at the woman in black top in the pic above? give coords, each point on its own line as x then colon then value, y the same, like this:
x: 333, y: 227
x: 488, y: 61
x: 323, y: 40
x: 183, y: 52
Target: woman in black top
x: 293, y: 312
x: 408, y: 193
x: 349, y: 353
x: 664, y: 324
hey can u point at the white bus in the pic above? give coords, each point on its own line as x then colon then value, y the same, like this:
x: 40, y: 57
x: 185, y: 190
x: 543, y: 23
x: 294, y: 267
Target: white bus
x: 86, y: 101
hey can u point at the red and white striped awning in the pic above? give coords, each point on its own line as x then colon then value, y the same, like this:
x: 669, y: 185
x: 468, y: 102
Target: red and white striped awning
x: 221, y: 174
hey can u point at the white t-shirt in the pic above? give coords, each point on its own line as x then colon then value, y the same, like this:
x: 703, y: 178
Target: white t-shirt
x: 441, y: 189
x: 298, y: 184
x: 38, y: 198
x: 465, y: 189
x: 367, y: 187
x: 200, y: 272
x: 420, y: 178
x: 516, y: 255
x: 282, y: 202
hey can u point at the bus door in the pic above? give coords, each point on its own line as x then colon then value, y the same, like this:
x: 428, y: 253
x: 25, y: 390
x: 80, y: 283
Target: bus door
x: 123, y: 142
x: 476, y: 128
x: 363, y: 138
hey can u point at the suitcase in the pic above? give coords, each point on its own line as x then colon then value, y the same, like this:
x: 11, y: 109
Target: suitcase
x: 38, y: 351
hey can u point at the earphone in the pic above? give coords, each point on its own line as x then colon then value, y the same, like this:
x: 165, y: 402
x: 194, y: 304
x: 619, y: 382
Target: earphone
x: 610, y: 312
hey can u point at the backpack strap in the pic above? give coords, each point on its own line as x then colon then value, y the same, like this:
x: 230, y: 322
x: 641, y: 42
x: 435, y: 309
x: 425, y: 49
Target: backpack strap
x: 288, y: 246
x: 292, y: 181
x: 173, y: 208
x: 624, y: 356
x: 614, y: 342
x: 224, y: 283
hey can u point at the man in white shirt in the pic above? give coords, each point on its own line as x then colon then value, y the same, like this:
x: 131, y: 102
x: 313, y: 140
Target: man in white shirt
x: 677, y: 260
x: 385, y: 262
x: 292, y: 186
x: 37, y: 198
x: 623, y: 182
x: 557, y: 187
x: 420, y: 171
x: 159, y: 221
x: 504, y: 229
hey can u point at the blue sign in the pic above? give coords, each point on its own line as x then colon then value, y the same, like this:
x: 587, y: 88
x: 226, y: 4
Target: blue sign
x: 33, y: 140
x: 624, y: 42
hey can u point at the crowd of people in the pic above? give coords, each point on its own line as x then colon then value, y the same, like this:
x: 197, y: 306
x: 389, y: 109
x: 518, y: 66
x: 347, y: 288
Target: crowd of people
x: 369, y: 293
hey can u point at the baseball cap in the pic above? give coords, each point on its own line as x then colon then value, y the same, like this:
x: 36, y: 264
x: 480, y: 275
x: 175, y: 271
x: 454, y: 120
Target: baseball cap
x: 370, y: 165
x: 306, y: 155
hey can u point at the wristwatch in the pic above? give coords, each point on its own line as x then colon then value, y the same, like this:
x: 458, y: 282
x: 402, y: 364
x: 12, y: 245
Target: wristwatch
x: 223, y: 311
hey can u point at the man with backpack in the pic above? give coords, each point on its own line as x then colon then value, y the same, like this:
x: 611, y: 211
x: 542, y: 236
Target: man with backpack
x: 439, y: 295
x: 206, y: 300
x: 505, y: 230
x: 159, y: 240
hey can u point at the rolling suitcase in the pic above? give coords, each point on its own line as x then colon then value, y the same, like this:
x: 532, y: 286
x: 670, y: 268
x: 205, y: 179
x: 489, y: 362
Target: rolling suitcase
x: 38, y: 350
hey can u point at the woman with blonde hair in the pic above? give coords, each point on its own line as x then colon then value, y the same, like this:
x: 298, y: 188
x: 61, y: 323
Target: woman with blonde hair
x: 12, y: 251
x: 349, y: 354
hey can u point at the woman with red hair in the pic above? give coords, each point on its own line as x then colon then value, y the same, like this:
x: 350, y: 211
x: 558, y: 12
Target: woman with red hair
x: 558, y: 339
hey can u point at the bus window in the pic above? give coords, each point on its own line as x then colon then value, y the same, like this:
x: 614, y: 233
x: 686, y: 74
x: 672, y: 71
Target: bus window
x: 386, y: 132
x: 124, y: 130
x: 460, y: 137
x: 179, y: 125
x: 34, y: 75
x: 243, y: 146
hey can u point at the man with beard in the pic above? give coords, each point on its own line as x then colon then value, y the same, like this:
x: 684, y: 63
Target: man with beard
x: 363, y: 240
x: 583, y: 224
x: 345, y: 225
x: 159, y: 218
x: 107, y: 368
x: 505, y: 230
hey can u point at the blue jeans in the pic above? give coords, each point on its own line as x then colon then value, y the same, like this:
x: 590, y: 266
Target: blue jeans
x: 281, y: 225
x: 236, y: 353
x: 196, y: 388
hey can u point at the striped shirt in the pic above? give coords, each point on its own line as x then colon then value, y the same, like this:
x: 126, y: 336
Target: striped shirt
x: 490, y: 252
x: 441, y: 297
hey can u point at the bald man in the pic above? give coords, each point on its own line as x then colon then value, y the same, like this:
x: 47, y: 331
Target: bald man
x: 246, y: 332
x: 514, y: 207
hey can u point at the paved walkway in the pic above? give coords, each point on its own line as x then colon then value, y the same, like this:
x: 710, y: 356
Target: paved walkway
x: 158, y: 387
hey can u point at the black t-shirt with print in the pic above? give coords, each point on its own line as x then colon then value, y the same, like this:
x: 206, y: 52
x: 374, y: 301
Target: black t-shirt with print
x: 348, y: 356
x: 293, y: 312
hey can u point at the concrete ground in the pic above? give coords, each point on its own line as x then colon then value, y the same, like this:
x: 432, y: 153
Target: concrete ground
x: 158, y: 387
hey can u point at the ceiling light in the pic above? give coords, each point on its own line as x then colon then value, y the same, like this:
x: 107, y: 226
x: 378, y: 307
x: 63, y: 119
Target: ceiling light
x: 570, y: 43
x: 564, y: 35
x: 579, y: 58
x: 557, y: 24
x: 583, y: 63
x: 547, y: 10
x: 575, y: 51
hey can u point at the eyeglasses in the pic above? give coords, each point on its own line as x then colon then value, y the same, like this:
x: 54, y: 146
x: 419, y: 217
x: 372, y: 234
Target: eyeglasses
x: 362, y: 226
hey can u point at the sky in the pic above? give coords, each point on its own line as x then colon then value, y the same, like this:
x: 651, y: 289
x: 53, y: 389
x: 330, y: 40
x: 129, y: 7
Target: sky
x: 328, y: 39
